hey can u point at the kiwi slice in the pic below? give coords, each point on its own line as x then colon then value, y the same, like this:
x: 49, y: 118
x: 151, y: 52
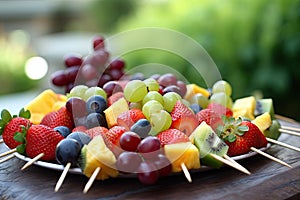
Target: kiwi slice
x: 209, y: 143
x: 273, y: 131
x: 264, y: 105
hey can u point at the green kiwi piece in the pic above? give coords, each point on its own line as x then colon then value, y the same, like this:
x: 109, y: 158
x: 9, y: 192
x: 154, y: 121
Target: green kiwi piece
x: 264, y: 105
x: 208, y: 142
x: 273, y: 131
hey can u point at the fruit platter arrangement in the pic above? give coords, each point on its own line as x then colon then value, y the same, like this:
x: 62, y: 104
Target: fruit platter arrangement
x: 109, y: 124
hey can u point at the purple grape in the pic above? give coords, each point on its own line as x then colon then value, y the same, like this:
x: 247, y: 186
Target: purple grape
x: 147, y: 173
x: 112, y: 87
x: 59, y: 78
x: 167, y: 79
x: 128, y: 162
x: 76, y: 106
x: 182, y: 87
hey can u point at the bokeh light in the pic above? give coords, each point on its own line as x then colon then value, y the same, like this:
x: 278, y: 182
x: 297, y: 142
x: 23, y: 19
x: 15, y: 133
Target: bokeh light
x: 36, y: 68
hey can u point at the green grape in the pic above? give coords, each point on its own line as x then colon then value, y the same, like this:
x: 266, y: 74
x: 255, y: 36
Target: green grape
x: 221, y: 98
x: 135, y: 91
x: 152, y: 84
x: 92, y: 91
x: 222, y: 86
x: 137, y: 105
x: 150, y: 107
x: 153, y: 95
x: 160, y: 121
x: 200, y: 99
x: 170, y: 99
x: 78, y: 91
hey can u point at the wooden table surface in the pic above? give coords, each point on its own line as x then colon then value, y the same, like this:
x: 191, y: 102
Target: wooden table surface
x: 269, y: 180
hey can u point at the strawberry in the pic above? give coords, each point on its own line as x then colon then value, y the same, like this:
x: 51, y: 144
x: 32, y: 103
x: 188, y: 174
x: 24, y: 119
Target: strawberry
x: 113, y: 135
x: 12, y: 125
x: 220, y: 109
x: 114, y: 97
x: 210, y: 117
x: 98, y: 130
x: 61, y: 117
x: 42, y: 139
x: 240, y: 136
x: 128, y: 118
x: 79, y: 129
x: 172, y: 136
x: 183, y: 118
x: 112, y: 138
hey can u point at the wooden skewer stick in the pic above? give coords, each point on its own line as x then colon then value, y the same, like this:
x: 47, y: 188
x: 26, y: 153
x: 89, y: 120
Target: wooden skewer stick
x: 291, y: 128
x: 91, y: 180
x: 283, y: 144
x: 62, y: 177
x: 285, y: 118
x: 8, y: 152
x: 270, y: 157
x: 186, y: 172
x: 7, y: 158
x: 231, y: 164
x: 236, y: 163
x: 1, y: 141
x: 289, y: 132
x: 29, y: 163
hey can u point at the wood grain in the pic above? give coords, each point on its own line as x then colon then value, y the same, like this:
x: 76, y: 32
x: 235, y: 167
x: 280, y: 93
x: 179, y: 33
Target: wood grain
x: 269, y: 180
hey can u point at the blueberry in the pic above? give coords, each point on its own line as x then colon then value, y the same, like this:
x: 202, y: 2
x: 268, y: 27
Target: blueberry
x: 95, y: 119
x: 63, y: 130
x: 96, y: 104
x: 80, y: 137
x: 68, y: 151
x: 195, y: 107
x: 142, y: 127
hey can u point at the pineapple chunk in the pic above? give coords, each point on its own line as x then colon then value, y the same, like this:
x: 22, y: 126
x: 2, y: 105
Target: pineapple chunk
x: 263, y: 122
x: 113, y: 111
x: 97, y: 154
x: 193, y: 89
x: 186, y: 153
x: 244, y: 107
x: 44, y: 103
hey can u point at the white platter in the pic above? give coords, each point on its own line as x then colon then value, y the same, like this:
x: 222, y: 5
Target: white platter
x: 77, y: 170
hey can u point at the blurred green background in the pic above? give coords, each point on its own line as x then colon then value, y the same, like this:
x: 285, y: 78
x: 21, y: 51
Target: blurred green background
x: 255, y: 44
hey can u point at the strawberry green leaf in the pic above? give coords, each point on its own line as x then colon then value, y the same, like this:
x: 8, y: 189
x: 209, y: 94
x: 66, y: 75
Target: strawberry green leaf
x: 24, y: 113
x: 19, y: 137
x: 1, y: 131
x: 243, y: 128
x: 231, y: 138
x: 2, y: 123
x: 21, y: 149
x: 5, y: 115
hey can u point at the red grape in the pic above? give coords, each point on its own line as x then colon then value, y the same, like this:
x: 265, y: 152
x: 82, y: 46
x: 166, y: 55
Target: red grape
x: 89, y: 72
x: 117, y: 64
x: 73, y: 60
x: 147, y: 173
x: 149, y: 147
x: 167, y: 79
x: 98, y: 42
x: 112, y: 87
x: 76, y: 106
x: 71, y: 73
x: 128, y: 162
x: 129, y: 141
x: 59, y: 78
x: 163, y: 165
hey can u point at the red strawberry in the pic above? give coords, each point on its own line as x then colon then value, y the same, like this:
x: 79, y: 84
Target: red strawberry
x: 113, y: 135
x: 128, y: 118
x: 220, y: 109
x: 210, y: 117
x: 114, y: 97
x: 80, y: 129
x: 58, y: 118
x: 99, y: 130
x: 10, y: 125
x: 183, y: 118
x: 15, y: 125
x: 240, y: 136
x: 42, y: 139
x: 172, y: 136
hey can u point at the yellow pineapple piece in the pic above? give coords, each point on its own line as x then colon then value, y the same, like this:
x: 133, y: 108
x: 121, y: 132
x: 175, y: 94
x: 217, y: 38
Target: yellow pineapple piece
x: 186, y: 153
x: 244, y: 107
x: 97, y: 154
x: 113, y: 111
x: 193, y: 89
x: 44, y: 104
x: 263, y: 121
